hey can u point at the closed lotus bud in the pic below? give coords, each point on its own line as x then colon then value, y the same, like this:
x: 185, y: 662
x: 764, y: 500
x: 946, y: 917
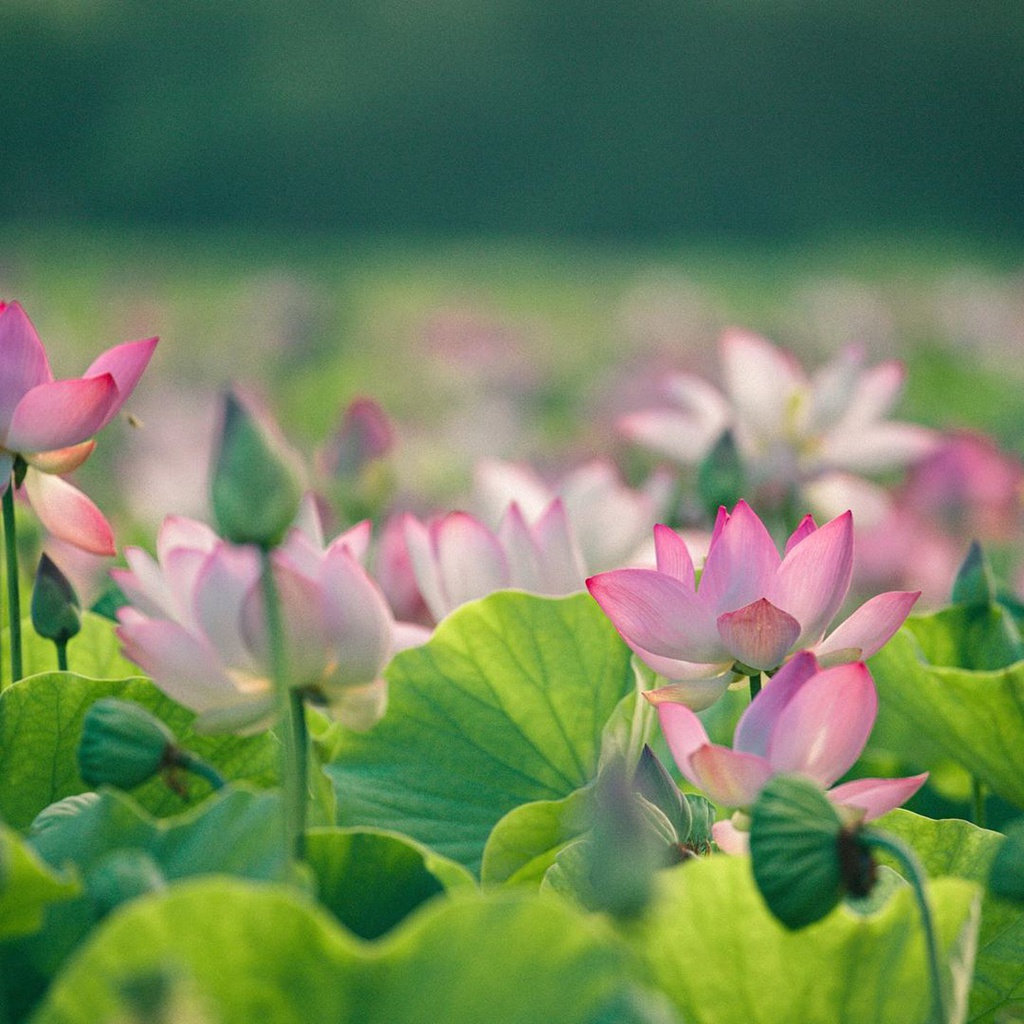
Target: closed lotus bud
x: 256, y: 487
x: 122, y: 744
x: 56, y: 610
x: 120, y: 876
x: 974, y: 584
x: 365, y: 435
x: 795, y: 850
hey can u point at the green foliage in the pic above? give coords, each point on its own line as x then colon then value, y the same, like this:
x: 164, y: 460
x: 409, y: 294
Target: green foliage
x: 40, y: 725
x: 27, y: 886
x: 250, y: 952
x: 712, y: 945
x: 975, y: 716
x: 504, y: 706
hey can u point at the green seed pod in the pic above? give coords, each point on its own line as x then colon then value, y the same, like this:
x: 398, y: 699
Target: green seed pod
x: 794, y: 848
x: 256, y: 486
x: 56, y: 610
x: 122, y: 744
x: 120, y: 876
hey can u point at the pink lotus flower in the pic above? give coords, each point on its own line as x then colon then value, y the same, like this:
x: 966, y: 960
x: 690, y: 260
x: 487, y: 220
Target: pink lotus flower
x: 455, y: 558
x: 806, y: 721
x: 197, y: 626
x: 49, y: 424
x: 790, y: 428
x: 752, y: 607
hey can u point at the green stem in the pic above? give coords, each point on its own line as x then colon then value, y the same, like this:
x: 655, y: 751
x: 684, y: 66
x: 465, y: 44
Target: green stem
x: 13, y: 598
x: 755, y: 684
x: 914, y: 874
x: 292, y: 732
x: 197, y: 766
x: 978, y: 802
x: 62, y: 655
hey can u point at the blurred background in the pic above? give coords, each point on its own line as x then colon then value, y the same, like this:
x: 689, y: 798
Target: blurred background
x: 504, y: 219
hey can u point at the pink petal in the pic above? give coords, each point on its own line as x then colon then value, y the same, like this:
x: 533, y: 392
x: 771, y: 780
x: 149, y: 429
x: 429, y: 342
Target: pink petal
x: 680, y: 435
x: 758, y: 635
x: 23, y: 359
x: 226, y: 578
x: 673, y: 556
x: 741, y: 563
x: 309, y: 521
x: 67, y: 513
x: 869, y: 628
x: 683, y: 731
x: 144, y: 585
x: 497, y: 484
x: 761, y: 380
x: 470, y: 558
x: 409, y: 634
x: 729, y: 777
x: 360, y: 707
x: 826, y: 724
x: 754, y: 728
x: 424, y: 565
x: 63, y: 460
x: 182, y: 532
x: 805, y: 529
x: 876, y: 796
x: 520, y: 549
x: 356, y: 539
x: 880, y: 447
x: 559, y: 558
x: 814, y: 577
x: 125, y: 363
x: 874, y: 395
x: 729, y: 839
x: 60, y: 414
x: 659, y: 614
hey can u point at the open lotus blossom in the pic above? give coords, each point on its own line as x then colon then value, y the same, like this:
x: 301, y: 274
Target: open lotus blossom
x: 790, y: 428
x: 456, y: 558
x: 48, y: 424
x: 197, y: 625
x: 752, y: 607
x: 806, y: 721
x: 611, y: 521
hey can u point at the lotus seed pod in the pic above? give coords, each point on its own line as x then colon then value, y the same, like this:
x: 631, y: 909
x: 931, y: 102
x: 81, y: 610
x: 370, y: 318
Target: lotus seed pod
x: 122, y: 744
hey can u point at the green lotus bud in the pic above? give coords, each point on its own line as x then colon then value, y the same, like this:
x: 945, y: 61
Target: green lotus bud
x: 256, y: 485
x: 653, y: 782
x: 975, y: 583
x: 794, y: 847
x: 120, y: 876
x: 720, y: 477
x: 702, y: 817
x: 56, y: 610
x: 122, y: 744
x: 1006, y: 879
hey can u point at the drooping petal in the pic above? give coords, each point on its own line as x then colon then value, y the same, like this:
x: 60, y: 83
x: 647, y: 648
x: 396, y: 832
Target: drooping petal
x: 877, y: 796
x: 67, y: 513
x: 23, y: 359
x: 60, y: 414
x: 64, y: 460
x: 360, y: 707
x: 696, y: 694
x: 759, y: 635
x: 826, y: 724
x: 683, y: 731
x: 659, y: 614
x: 741, y: 563
x: 673, y: 556
x: 869, y: 628
x: 814, y: 577
x: 729, y: 777
x: 125, y: 363
x: 754, y: 728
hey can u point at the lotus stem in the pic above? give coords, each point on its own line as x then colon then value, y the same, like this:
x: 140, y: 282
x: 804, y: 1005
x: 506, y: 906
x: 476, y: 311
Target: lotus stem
x: 197, y: 766
x: 978, y: 795
x: 13, y: 595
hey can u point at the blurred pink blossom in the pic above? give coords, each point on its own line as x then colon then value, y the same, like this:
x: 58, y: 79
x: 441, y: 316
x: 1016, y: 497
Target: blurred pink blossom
x: 806, y: 721
x: 49, y: 424
x: 752, y: 607
x: 364, y: 435
x: 197, y: 625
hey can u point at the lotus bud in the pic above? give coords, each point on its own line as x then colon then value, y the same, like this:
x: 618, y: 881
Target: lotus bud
x: 256, y: 487
x: 974, y: 583
x: 365, y: 435
x: 123, y: 745
x: 56, y: 610
x: 720, y: 477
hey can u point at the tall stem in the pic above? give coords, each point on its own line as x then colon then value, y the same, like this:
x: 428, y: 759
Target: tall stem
x: 978, y: 801
x: 291, y: 717
x: 755, y: 685
x: 915, y: 876
x: 62, y: 655
x: 13, y: 598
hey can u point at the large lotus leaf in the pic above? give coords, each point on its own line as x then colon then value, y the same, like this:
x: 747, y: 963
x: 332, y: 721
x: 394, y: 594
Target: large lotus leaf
x: 976, y: 717
x: 40, y: 725
x: 371, y: 880
x: 95, y: 652
x: 27, y: 886
x: 958, y: 848
x: 713, y: 946
x: 505, y: 705
x: 263, y: 953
